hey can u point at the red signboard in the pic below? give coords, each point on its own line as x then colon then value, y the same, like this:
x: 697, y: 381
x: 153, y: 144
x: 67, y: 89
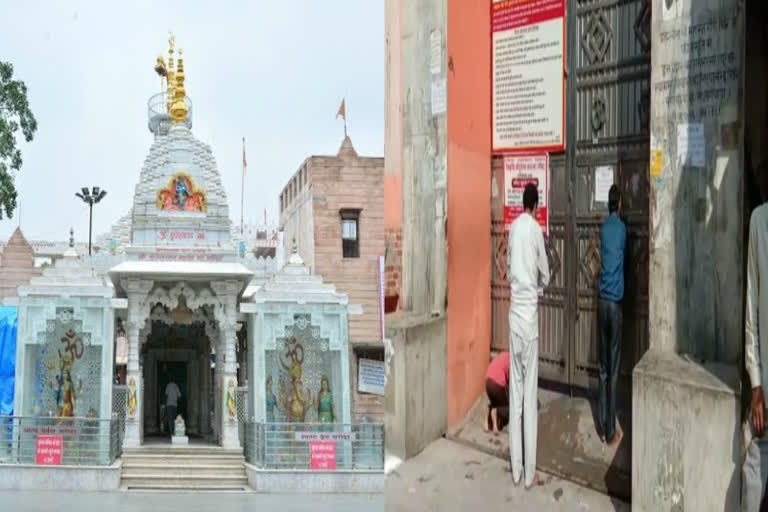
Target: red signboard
x: 519, y: 170
x: 528, y: 75
x: 48, y: 450
x: 322, y: 455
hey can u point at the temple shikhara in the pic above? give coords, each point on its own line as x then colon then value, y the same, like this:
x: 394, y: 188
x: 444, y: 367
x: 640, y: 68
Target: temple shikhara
x: 255, y: 343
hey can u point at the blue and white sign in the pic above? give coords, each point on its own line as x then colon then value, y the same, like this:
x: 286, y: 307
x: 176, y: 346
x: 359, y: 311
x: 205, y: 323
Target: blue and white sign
x: 370, y: 376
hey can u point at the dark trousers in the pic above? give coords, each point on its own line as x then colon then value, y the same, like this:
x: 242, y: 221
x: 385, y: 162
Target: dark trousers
x: 170, y: 417
x: 499, y: 397
x: 609, y: 353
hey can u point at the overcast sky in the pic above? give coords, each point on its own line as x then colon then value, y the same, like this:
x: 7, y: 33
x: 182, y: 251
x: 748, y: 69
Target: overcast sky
x: 273, y: 72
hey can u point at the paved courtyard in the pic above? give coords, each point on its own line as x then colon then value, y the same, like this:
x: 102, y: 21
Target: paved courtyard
x: 20, y: 501
x: 448, y: 477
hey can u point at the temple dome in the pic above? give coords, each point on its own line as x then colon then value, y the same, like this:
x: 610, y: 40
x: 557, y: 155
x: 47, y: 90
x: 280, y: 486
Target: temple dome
x: 175, y: 160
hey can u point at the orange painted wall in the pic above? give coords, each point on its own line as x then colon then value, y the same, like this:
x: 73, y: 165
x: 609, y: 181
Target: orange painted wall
x: 393, y: 136
x: 469, y: 214
x: 393, y: 201
x: 393, y: 152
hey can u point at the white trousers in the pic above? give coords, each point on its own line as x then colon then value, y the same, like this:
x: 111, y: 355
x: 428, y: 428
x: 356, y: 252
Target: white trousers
x: 754, y: 471
x: 523, y: 402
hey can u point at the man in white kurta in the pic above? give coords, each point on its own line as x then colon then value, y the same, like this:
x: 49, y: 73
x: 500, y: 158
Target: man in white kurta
x: 755, y: 469
x: 528, y: 274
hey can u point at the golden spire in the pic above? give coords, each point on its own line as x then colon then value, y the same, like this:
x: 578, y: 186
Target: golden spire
x: 179, y: 107
x: 171, y: 74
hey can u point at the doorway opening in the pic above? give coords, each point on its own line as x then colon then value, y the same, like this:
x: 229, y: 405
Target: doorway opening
x: 178, y: 349
x: 176, y: 372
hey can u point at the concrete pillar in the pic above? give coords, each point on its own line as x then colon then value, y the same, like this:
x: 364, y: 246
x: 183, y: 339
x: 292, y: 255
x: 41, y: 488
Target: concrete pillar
x: 226, y: 361
x: 686, y: 451
x: 138, y: 312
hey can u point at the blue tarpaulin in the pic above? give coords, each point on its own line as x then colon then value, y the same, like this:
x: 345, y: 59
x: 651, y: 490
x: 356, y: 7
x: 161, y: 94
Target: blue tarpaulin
x: 8, y: 326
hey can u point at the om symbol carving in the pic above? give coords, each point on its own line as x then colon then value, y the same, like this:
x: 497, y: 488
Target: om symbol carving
x: 73, y: 345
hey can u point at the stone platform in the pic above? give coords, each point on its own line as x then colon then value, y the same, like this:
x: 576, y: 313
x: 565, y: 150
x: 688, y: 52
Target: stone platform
x: 687, y: 442
x: 568, y: 442
x: 29, y: 477
x: 314, y: 482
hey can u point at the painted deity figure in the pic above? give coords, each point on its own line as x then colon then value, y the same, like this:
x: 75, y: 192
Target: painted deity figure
x: 132, y: 401
x: 231, y: 407
x: 300, y: 402
x: 325, y: 402
x: 271, y: 402
x: 182, y: 192
x: 66, y: 396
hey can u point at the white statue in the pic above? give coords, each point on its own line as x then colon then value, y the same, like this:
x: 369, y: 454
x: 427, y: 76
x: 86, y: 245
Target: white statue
x: 179, y: 428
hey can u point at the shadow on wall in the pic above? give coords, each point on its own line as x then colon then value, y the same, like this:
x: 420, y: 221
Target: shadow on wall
x: 708, y: 209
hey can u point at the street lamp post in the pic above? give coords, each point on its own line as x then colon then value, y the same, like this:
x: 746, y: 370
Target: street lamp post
x: 91, y: 197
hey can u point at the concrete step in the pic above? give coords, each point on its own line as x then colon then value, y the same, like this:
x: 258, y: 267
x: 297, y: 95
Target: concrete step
x: 184, y: 482
x: 236, y: 470
x: 161, y: 488
x: 164, y: 467
x: 213, y: 460
x: 181, y: 450
x: 171, y: 489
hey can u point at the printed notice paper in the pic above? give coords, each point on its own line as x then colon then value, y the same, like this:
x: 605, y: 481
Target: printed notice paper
x: 436, y: 52
x: 691, y: 148
x: 438, y: 97
x: 603, y: 182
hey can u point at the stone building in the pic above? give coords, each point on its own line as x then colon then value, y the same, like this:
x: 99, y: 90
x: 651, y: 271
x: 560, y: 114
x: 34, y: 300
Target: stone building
x: 17, y: 265
x: 334, y: 210
x: 181, y: 301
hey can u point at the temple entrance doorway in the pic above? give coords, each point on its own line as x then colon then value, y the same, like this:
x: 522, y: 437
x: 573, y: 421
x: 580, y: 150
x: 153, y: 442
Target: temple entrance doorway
x: 176, y: 372
x: 178, y: 349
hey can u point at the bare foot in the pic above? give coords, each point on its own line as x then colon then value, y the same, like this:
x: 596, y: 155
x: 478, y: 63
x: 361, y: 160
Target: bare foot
x: 485, y: 424
x: 495, y: 420
x: 534, y: 482
x: 617, y: 436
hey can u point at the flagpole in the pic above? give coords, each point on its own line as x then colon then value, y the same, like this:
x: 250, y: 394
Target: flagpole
x: 242, y: 189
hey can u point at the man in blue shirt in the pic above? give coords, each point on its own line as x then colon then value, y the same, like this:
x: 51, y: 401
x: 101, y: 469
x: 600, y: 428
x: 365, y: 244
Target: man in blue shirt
x: 613, y: 245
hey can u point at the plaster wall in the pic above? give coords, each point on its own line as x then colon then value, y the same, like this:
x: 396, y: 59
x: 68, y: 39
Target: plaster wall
x: 686, y: 388
x: 424, y: 156
x: 393, y: 148
x: 469, y: 213
x: 696, y: 240
x: 415, y: 400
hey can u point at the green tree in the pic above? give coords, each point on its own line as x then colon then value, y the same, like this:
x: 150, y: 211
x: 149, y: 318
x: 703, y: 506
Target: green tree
x: 15, y: 117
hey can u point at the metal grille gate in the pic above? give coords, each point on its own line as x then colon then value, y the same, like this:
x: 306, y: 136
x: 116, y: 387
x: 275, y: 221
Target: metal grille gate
x: 608, y: 100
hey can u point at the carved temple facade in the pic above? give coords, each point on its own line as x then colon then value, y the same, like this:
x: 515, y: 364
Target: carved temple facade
x: 192, y: 307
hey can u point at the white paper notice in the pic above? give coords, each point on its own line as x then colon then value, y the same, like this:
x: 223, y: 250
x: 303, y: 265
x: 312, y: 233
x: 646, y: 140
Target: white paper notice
x: 438, y: 97
x: 436, y: 52
x: 370, y: 376
x: 691, y: 148
x: 603, y: 182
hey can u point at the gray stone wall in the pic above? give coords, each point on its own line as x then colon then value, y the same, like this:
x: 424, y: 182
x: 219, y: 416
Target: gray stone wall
x: 424, y: 161
x: 697, y: 242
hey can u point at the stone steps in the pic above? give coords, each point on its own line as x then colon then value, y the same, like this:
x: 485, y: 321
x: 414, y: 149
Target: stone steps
x: 183, y: 468
x: 191, y: 470
x: 181, y: 459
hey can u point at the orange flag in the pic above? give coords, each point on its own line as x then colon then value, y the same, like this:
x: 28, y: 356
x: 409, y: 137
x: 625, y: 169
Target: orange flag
x: 342, y: 111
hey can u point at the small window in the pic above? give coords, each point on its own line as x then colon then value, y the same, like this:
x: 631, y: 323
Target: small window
x: 350, y: 234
